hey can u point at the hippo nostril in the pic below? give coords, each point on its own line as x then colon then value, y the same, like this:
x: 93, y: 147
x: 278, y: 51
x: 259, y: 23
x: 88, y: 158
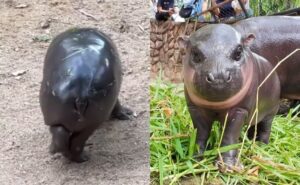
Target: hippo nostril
x: 210, y: 78
x: 229, y: 78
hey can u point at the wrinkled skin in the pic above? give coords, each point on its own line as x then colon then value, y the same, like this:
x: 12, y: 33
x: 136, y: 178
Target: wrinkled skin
x: 80, y: 88
x: 221, y: 75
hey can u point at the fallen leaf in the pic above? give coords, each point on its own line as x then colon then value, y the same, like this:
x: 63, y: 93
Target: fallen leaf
x: 19, y: 72
x: 168, y: 112
x: 20, y: 6
x: 253, y: 171
x: 41, y: 38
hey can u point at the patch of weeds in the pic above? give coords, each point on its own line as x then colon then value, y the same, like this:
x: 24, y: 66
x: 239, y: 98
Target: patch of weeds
x: 41, y: 38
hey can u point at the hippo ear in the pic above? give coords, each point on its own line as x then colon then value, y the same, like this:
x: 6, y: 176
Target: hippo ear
x: 183, y: 41
x: 247, y: 41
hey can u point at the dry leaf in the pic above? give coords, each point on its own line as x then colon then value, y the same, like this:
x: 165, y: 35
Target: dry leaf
x: 253, y: 171
x: 18, y: 73
x: 168, y: 111
x: 20, y: 6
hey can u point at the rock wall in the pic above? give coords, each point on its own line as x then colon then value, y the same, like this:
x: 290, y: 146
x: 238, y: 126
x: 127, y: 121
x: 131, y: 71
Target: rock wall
x: 164, y: 51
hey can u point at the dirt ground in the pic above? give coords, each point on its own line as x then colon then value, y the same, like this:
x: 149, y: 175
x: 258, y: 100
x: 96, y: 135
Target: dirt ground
x: 119, y: 152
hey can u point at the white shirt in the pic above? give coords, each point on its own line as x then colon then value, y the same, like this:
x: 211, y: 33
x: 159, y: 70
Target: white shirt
x: 236, y: 5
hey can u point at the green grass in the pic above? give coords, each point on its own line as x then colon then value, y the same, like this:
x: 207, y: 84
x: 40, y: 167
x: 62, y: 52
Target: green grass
x: 173, y: 148
x: 269, y: 7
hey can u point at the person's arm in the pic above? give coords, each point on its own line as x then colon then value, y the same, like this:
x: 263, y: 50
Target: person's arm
x: 216, y: 11
x: 171, y: 11
x: 171, y: 8
x: 204, y: 5
x: 159, y: 9
x: 237, y: 7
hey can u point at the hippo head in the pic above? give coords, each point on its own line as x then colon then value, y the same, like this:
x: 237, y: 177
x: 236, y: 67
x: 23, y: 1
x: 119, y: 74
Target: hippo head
x: 217, y: 63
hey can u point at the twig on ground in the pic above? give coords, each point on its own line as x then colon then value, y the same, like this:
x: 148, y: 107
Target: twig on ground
x: 141, y: 28
x: 88, y: 15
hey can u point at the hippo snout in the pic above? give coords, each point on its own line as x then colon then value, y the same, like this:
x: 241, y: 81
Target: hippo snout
x: 218, y: 78
x: 217, y: 85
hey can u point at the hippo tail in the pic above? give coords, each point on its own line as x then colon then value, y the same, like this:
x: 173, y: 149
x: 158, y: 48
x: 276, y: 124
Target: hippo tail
x: 81, y: 105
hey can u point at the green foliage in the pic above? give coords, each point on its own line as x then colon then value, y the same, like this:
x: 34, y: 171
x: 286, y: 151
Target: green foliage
x: 173, y: 147
x: 41, y: 38
x: 267, y: 7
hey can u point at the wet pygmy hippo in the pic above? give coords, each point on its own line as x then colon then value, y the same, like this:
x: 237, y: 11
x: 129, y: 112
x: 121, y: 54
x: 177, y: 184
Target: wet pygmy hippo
x: 222, y: 73
x: 79, y: 90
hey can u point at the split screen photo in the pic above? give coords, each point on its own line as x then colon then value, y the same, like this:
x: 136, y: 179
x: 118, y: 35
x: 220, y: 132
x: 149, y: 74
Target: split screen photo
x: 147, y: 92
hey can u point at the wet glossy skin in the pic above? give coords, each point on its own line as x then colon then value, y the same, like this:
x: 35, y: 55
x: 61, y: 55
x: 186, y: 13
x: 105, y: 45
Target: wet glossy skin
x: 217, y: 47
x: 80, y: 87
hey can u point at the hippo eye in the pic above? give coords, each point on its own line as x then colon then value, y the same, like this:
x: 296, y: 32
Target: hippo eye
x: 197, y: 56
x: 237, y: 54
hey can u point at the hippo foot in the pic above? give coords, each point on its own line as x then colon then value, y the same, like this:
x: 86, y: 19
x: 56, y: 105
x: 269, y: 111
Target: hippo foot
x: 53, y: 149
x: 229, y: 165
x: 79, y: 158
x: 123, y: 113
x: 199, y: 155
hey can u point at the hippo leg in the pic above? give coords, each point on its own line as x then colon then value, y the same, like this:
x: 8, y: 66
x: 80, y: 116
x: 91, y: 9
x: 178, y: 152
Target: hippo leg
x: 251, y: 131
x: 120, y: 112
x: 60, y: 139
x: 231, y: 135
x: 202, y: 125
x: 77, y: 143
x: 263, y: 130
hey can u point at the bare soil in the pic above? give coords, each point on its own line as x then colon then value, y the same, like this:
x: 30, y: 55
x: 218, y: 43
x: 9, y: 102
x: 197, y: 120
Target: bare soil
x: 119, y: 152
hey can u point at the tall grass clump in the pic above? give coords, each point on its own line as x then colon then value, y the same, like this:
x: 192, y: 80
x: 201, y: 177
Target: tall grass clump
x: 173, y: 148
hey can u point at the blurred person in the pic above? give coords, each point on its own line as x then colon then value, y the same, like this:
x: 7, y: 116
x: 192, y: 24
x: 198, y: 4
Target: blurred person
x: 192, y: 8
x: 238, y: 9
x: 165, y: 9
x: 224, y: 11
x: 231, y: 9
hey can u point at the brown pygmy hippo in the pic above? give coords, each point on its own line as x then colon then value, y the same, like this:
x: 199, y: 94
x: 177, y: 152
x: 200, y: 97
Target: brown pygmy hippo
x: 222, y: 74
x: 80, y: 88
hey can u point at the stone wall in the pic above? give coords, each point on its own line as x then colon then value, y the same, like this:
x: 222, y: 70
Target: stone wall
x: 164, y: 52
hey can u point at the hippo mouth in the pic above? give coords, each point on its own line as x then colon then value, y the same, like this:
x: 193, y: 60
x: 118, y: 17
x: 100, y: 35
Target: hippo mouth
x: 217, y: 92
x: 218, y: 97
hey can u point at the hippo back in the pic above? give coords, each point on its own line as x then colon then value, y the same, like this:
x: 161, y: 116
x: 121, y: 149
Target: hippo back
x: 81, y: 71
x: 277, y: 37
